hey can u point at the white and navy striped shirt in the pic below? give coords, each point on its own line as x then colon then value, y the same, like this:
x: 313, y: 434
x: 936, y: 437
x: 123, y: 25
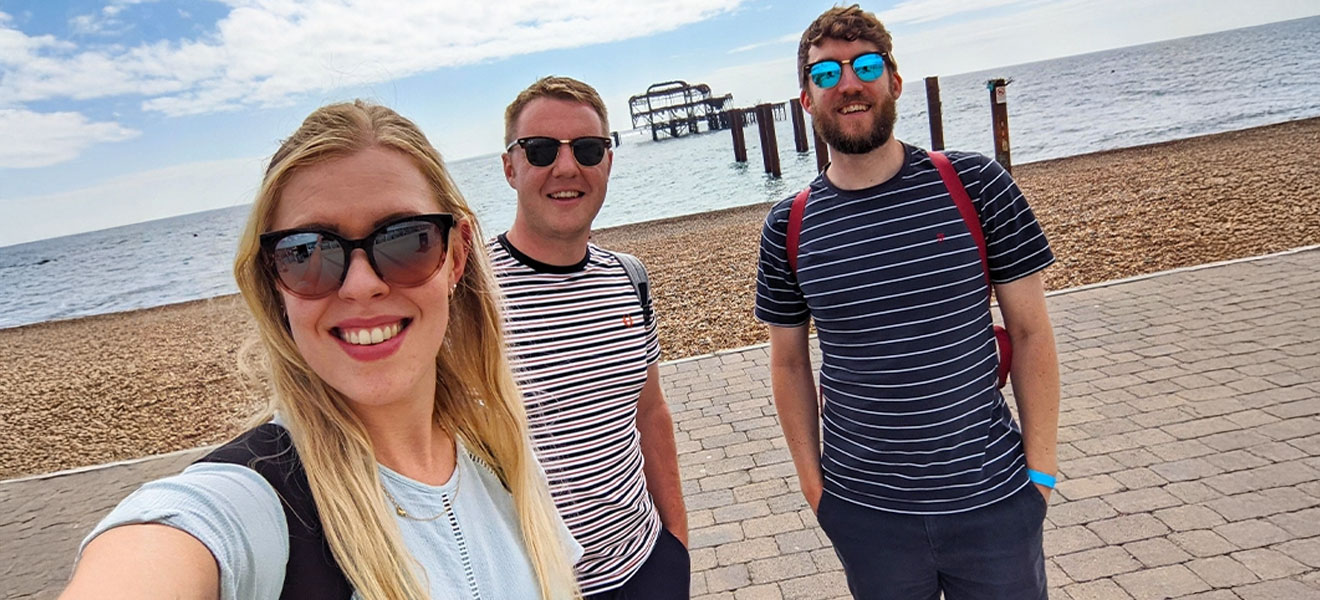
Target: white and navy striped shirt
x: 580, y: 349
x: 913, y: 422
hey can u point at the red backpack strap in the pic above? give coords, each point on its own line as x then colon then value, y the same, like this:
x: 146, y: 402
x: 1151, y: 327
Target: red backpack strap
x: 965, y: 206
x: 795, y: 226
x: 973, y: 221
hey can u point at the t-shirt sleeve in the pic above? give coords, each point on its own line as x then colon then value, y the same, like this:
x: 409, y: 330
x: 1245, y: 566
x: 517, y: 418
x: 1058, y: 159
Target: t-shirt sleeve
x: 1015, y: 244
x: 231, y: 509
x: 779, y: 300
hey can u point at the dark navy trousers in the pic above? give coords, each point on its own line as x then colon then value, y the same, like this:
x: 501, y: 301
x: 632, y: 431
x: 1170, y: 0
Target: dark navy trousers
x: 990, y: 553
x: 665, y: 575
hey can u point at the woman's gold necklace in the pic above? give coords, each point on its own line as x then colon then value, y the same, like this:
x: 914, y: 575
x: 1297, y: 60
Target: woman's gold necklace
x: 447, y: 501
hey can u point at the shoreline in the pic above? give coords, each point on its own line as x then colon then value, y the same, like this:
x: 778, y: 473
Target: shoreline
x: 115, y: 386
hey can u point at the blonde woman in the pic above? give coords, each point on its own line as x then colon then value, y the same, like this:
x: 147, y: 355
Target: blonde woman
x: 397, y: 464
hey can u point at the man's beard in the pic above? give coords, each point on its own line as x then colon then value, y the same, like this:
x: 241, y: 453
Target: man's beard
x: 880, y: 132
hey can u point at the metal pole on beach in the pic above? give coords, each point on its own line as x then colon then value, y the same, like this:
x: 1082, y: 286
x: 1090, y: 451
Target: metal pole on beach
x: 736, y: 122
x: 936, y: 115
x: 999, y: 120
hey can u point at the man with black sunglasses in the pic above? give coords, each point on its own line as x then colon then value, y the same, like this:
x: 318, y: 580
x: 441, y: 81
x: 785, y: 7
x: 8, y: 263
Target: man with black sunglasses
x: 582, y: 340
x: 926, y: 485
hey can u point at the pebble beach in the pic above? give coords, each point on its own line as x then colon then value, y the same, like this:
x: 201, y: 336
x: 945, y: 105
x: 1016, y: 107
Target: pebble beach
x: 126, y: 385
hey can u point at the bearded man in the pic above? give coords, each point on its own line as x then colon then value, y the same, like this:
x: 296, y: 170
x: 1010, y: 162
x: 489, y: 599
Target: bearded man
x: 926, y: 484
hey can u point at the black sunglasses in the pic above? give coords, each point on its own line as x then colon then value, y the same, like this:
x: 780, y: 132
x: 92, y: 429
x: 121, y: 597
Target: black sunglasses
x: 312, y: 263
x: 541, y: 151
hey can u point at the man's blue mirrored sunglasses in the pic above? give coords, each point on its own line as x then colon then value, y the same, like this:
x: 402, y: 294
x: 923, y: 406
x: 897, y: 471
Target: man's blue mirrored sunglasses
x: 868, y: 66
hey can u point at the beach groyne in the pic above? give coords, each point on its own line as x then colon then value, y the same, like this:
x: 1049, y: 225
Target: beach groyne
x: 125, y: 385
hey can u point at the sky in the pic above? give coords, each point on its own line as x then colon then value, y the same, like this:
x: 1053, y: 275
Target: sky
x: 121, y: 111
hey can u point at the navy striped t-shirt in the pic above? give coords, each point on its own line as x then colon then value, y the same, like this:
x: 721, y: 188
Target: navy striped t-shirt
x: 913, y: 422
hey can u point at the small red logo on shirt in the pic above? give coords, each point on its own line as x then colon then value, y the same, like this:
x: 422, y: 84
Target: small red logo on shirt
x: 939, y: 237
x: 627, y: 321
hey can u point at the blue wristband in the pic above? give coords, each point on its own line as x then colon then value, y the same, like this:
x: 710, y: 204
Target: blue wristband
x: 1039, y: 478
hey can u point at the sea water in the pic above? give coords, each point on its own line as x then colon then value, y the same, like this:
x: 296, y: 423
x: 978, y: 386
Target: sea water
x: 1062, y: 107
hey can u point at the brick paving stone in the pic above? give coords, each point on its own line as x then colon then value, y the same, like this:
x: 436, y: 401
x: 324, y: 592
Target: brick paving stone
x: 730, y: 578
x: 1277, y: 452
x: 1188, y: 517
x: 759, y: 592
x: 1223, y: 571
x: 1303, y: 523
x: 1202, y: 542
x: 1278, y: 589
x: 1215, y: 595
x: 1305, y: 551
x: 779, y: 568
x: 1192, y: 492
x: 797, y: 541
x: 1138, y: 478
x: 715, y: 535
x: 1128, y: 528
x: 1102, y: 589
x: 1066, y: 540
x: 1142, y: 500
x: 1161, y: 583
x: 1079, y: 512
x: 1237, y: 460
x: 1291, y: 428
x: 1188, y: 469
x: 1157, y: 552
x: 815, y: 587
x: 1095, y: 564
x: 1269, y: 564
x: 731, y: 553
x: 770, y: 525
x: 1181, y: 449
x: 1088, y: 466
x: 1088, y: 487
x: 1252, y: 534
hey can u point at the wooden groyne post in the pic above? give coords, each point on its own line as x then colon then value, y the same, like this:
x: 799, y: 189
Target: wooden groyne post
x: 799, y: 126
x: 765, y: 121
x: 936, y: 115
x: 736, y: 122
x: 615, y: 135
x: 822, y: 151
x: 999, y: 120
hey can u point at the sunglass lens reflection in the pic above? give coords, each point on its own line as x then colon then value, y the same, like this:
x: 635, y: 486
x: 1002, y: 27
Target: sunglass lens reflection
x: 308, y: 263
x: 409, y: 252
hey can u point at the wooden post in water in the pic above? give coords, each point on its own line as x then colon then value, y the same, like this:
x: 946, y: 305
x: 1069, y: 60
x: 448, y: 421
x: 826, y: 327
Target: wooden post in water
x: 799, y: 126
x: 765, y: 121
x: 822, y: 151
x: 999, y: 121
x: 736, y: 128
x: 936, y: 115
x: 615, y: 135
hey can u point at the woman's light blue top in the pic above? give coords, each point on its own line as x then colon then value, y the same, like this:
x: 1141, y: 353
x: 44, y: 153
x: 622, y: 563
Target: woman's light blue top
x: 476, y: 551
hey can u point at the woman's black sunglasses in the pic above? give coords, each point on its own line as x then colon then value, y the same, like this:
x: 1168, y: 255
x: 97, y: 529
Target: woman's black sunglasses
x: 312, y: 263
x: 541, y: 151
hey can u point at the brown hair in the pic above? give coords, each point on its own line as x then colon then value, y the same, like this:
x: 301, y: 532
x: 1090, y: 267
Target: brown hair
x: 847, y: 23
x: 562, y: 88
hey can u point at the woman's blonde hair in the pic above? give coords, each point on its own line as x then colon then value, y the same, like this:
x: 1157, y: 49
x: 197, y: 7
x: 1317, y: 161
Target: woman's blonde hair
x: 476, y: 398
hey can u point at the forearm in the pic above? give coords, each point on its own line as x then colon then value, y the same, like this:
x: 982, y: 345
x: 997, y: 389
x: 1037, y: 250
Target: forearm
x: 794, y: 391
x: 660, y: 455
x: 1035, y: 378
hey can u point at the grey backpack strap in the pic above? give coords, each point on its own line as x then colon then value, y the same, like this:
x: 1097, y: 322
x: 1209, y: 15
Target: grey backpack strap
x: 640, y: 282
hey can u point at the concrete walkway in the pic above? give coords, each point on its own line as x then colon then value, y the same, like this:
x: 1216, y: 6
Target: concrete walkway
x: 1189, y: 451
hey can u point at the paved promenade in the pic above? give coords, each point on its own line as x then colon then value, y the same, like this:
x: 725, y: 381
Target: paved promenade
x: 1189, y: 451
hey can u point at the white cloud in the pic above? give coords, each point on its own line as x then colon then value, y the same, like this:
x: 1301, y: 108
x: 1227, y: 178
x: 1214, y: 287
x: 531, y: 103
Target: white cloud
x: 192, y: 187
x: 267, y: 52
x: 788, y: 37
x: 42, y: 139
x: 922, y: 11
